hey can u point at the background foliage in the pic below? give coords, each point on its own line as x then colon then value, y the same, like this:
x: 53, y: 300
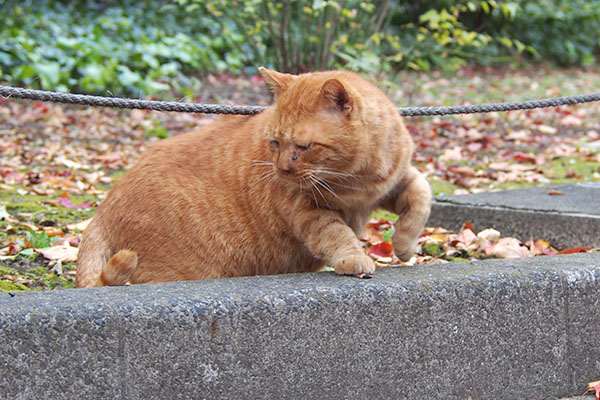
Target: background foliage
x: 148, y: 46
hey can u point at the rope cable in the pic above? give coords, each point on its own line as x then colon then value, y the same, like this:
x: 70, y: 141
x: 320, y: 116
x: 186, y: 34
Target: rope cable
x: 118, y: 102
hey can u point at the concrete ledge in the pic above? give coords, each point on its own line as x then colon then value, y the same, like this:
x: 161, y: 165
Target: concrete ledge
x: 522, y: 329
x: 569, y: 219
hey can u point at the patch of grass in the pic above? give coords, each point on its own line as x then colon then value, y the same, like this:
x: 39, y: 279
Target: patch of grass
x: 30, y: 209
x: 37, y: 274
x: 48, y: 280
x: 457, y: 259
x: 7, y: 270
x: 433, y: 249
x: 8, y: 286
x: 33, y: 204
x: 568, y: 170
x: 443, y: 188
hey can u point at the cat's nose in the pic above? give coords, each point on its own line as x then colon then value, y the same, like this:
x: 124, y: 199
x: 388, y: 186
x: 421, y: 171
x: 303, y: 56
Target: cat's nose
x: 289, y: 169
x: 289, y: 166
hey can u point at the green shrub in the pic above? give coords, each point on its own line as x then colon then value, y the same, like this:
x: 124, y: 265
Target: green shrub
x: 302, y: 35
x: 123, y: 47
x: 145, y: 47
x: 565, y: 32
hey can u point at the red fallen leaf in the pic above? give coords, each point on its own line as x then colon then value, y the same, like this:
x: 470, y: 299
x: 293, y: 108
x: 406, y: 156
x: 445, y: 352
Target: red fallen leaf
x: 469, y: 226
x: 524, y: 158
x: 555, y: 193
x: 42, y: 107
x: 383, y: 249
x: 376, y: 223
x: 371, y: 235
x: 572, y: 174
x: 573, y: 250
x: 66, y: 202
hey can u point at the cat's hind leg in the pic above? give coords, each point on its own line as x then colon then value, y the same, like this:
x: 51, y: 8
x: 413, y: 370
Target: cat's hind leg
x: 412, y: 202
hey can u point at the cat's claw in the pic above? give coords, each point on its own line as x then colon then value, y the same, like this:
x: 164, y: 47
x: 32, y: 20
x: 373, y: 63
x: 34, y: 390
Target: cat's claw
x: 359, y: 264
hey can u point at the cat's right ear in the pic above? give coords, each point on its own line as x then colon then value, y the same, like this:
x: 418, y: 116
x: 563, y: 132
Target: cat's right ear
x: 276, y: 81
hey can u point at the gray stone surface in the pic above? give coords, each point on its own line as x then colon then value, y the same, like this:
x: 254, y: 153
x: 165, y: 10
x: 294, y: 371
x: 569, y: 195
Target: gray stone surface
x: 568, y: 220
x: 514, y: 329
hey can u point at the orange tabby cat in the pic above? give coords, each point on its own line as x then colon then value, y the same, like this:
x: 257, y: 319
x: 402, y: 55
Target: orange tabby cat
x: 287, y: 190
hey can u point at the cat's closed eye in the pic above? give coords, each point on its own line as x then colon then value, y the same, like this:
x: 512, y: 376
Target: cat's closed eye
x: 304, y: 147
x: 274, y: 143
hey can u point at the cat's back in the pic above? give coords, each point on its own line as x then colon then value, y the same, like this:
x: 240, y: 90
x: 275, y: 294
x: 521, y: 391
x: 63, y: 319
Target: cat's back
x: 199, y: 148
x: 188, y: 174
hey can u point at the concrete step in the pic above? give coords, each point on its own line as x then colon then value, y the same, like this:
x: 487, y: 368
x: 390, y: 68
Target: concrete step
x: 496, y: 329
x: 565, y: 215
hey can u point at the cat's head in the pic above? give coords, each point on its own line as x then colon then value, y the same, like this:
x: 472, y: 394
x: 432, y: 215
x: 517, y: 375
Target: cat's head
x: 316, y: 125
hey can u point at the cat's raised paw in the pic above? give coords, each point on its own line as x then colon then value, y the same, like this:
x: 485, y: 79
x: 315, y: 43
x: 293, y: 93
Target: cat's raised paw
x: 355, y: 265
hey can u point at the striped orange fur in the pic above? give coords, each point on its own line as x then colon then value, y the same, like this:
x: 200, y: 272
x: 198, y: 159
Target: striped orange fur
x: 288, y: 190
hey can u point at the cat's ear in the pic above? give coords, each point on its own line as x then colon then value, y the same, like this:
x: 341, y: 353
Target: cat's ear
x: 276, y: 81
x: 335, y: 95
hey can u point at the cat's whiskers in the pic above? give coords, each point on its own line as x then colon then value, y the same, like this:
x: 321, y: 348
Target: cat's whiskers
x: 270, y: 173
x: 313, y: 182
x: 325, y: 185
x: 260, y: 163
x: 337, y: 174
x: 342, y: 176
x: 263, y: 177
x: 304, y: 178
x: 314, y: 197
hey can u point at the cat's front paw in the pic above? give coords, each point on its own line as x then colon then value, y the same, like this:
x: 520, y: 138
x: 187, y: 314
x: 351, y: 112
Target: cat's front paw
x: 355, y: 264
x: 404, y: 246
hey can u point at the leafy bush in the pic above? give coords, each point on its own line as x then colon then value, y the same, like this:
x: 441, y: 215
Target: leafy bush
x: 566, y: 32
x: 442, y: 36
x: 149, y: 46
x: 128, y: 46
x: 302, y: 35
x: 296, y: 36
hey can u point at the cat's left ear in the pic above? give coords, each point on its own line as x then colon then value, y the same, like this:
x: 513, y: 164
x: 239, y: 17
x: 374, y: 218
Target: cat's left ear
x: 335, y: 95
x: 277, y: 81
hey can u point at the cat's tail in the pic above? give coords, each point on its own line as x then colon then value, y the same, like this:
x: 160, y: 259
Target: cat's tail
x: 96, y: 266
x: 120, y: 268
x: 94, y: 270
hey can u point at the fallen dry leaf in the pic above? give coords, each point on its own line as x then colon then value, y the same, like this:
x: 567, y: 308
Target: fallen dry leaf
x: 593, y: 387
x: 79, y: 226
x: 66, y: 202
x: 550, y: 130
x: 573, y: 250
x: 379, y: 250
x: 64, y: 253
x: 571, y: 120
x: 3, y: 213
x: 507, y: 248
